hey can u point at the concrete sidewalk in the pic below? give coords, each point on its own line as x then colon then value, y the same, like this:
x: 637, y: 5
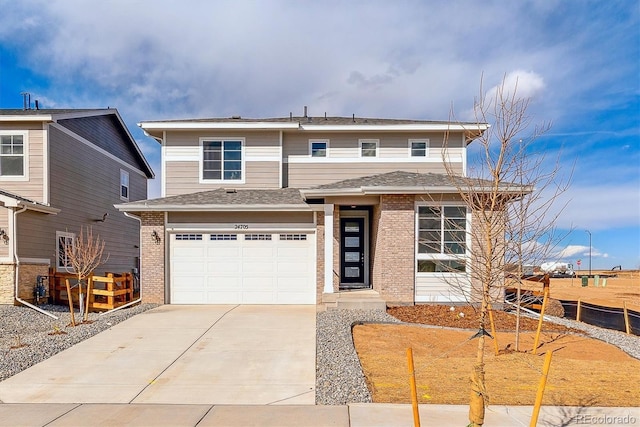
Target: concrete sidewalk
x: 354, y: 415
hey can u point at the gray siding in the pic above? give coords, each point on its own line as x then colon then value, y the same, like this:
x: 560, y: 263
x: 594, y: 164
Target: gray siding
x: 182, y: 161
x: 303, y: 175
x: 84, y: 185
x: 302, y: 218
x: 106, y: 132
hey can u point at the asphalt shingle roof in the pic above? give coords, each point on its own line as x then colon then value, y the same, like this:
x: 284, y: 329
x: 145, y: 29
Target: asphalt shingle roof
x: 307, y: 120
x: 223, y: 196
x: 17, y: 197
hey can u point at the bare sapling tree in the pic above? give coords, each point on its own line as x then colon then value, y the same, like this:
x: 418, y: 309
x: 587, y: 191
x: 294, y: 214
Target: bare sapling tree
x: 82, y: 257
x: 503, y: 198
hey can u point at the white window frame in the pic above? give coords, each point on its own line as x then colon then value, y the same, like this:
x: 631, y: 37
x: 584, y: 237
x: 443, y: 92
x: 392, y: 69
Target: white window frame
x: 59, y: 257
x: 25, y: 156
x: 124, y: 183
x: 201, y: 178
x: 466, y: 257
x: 416, y: 141
x: 326, y: 149
x: 366, y: 141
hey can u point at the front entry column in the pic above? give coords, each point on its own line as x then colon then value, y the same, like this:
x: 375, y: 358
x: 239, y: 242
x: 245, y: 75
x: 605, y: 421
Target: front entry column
x: 328, y: 248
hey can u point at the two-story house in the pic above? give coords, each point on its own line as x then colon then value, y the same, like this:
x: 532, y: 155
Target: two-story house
x: 291, y: 210
x: 61, y: 170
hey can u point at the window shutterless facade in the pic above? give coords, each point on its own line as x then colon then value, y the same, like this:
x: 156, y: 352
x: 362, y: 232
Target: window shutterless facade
x: 319, y: 147
x: 64, y: 241
x: 442, y: 233
x: 419, y: 147
x: 13, y: 155
x: 124, y: 185
x: 222, y: 160
x: 369, y: 147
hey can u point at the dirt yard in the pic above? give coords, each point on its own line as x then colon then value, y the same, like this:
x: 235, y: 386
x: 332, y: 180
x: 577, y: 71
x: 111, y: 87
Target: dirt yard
x: 624, y: 287
x: 584, y: 371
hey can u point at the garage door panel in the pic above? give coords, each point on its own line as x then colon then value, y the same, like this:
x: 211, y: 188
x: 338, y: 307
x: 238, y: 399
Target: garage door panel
x: 248, y: 270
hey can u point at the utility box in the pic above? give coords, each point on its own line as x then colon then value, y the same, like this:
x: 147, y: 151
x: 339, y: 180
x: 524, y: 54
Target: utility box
x: 585, y: 281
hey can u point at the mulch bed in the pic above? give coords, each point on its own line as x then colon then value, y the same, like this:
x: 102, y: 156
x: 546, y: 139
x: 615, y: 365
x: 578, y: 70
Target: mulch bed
x: 443, y: 315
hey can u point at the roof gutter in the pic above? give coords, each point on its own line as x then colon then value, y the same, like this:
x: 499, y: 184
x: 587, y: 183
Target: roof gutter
x: 212, y: 208
x: 14, y: 232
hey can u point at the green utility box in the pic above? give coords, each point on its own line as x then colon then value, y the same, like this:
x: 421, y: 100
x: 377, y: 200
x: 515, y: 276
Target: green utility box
x: 585, y: 281
x: 596, y: 280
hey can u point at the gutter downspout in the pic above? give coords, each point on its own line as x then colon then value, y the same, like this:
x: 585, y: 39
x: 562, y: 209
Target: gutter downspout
x: 128, y: 215
x: 14, y: 231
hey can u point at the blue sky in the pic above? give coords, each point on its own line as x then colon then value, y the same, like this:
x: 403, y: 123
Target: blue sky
x: 579, y: 60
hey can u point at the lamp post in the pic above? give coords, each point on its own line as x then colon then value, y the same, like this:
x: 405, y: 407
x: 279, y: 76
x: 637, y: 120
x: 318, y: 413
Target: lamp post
x: 589, y: 251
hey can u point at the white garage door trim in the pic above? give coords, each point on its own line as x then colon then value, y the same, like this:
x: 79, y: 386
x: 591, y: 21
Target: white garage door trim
x: 227, y: 267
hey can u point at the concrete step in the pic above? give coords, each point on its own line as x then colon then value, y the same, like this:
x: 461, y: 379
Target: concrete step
x: 354, y: 300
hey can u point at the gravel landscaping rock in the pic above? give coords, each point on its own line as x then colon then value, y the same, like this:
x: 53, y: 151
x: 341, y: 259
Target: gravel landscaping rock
x: 28, y: 337
x: 339, y: 377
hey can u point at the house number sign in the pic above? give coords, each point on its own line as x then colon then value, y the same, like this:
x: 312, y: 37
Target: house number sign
x: 241, y: 226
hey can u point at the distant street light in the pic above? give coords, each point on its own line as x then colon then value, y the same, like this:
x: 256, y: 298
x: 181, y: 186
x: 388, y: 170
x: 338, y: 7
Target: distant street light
x: 589, y: 251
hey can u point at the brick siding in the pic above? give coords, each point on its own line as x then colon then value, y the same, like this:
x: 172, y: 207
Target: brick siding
x: 319, y: 256
x: 393, y: 252
x: 152, y: 277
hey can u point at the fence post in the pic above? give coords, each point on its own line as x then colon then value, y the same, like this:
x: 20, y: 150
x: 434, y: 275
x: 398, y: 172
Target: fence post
x: 541, y: 386
x: 578, y: 311
x: 414, y: 393
x: 627, y: 326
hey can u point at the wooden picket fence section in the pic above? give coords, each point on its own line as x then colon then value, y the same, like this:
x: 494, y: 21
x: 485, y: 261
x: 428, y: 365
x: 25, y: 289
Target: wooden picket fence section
x: 105, y: 292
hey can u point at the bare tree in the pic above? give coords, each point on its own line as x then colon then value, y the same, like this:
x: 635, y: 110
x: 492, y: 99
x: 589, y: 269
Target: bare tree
x: 509, y: 193
x: 82, y: 257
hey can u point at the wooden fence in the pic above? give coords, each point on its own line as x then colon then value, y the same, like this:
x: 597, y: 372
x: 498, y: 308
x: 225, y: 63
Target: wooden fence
x: 105, y: 292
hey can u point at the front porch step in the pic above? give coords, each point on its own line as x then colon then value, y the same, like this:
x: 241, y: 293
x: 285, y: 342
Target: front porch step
x: 354, y: 300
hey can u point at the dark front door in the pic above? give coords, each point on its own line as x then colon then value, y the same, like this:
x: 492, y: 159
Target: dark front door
x: 352, y: 250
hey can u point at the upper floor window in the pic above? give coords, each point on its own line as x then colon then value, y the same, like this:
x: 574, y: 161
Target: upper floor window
x: 369, y: 148
x: 124, y: 185
x: 319, y: 147
x: 222, y: 159
x: 419, y: 147
x: 12, y: 154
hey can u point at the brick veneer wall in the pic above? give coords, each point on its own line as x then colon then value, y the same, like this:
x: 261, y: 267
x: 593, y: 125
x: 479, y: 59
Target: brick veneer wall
x: 7, y: 273
x: 319, y: 256
x: 393, y: 249
x: 152, y: 268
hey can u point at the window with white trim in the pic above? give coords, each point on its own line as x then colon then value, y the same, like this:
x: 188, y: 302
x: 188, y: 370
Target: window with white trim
x: 13, y: 159
x: 369, y: 147
x: 419, y: 147
x: 65, y: 241
x: 124, y: 185
x: 257, y: 237
x: 442, y: 239
x: 222, y: 159
x: 293, y: 237
x: 319, y: 147
x: 223, y: 237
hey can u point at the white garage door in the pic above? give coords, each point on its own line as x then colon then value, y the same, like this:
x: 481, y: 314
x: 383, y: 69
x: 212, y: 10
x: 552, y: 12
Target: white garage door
x: 234, y: 268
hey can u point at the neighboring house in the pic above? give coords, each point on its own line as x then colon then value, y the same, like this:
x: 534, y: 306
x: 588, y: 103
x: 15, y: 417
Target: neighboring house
x: 61, y: 170
x: 292, y: 210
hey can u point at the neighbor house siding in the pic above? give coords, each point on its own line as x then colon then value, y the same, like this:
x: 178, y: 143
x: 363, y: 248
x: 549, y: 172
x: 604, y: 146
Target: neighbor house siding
x: 4, y: 225
x: 84, y: 186
x: 105, y: 132
x: 33, y: 188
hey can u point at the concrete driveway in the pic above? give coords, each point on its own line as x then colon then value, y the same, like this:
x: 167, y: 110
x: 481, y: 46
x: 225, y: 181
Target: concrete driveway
x: 245, y: 354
